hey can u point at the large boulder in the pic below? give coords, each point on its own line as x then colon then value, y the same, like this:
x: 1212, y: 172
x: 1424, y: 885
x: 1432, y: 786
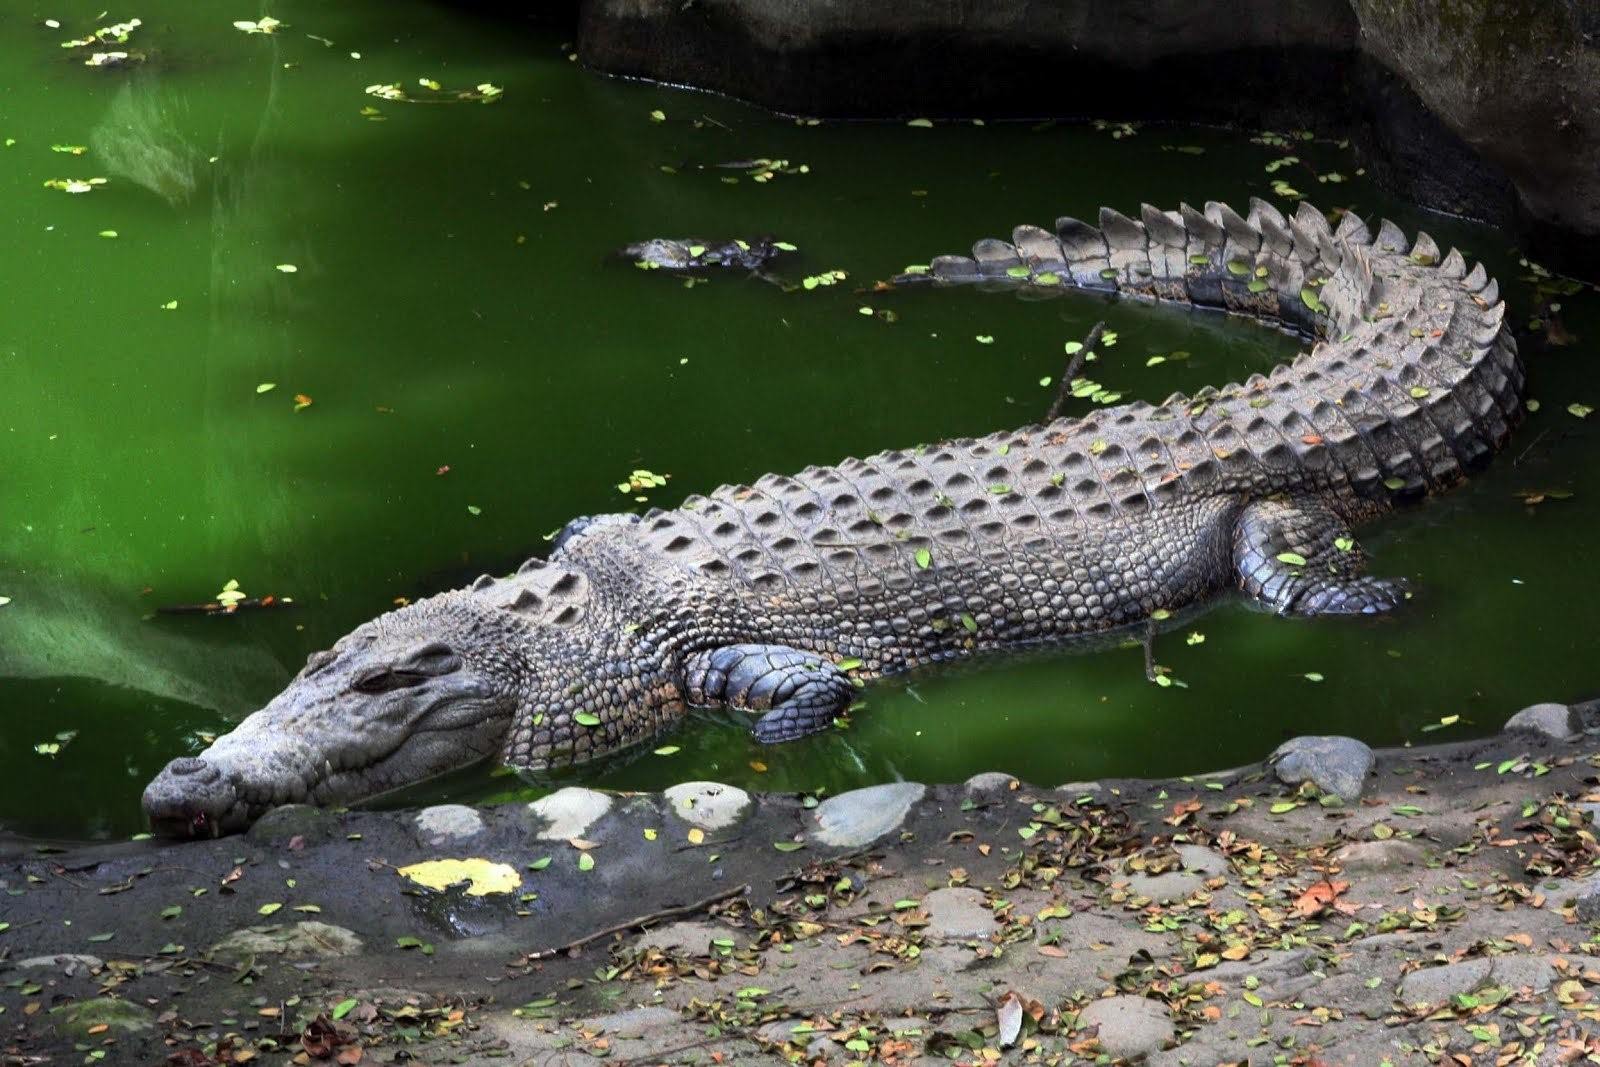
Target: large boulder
x: 1482, y: 107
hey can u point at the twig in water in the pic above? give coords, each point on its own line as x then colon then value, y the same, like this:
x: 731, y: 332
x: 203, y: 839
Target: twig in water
x: 1074, y: 368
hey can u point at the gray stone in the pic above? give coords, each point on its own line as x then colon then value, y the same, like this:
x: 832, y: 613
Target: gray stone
x: 293, y: 941
x: 635, y: 1022
x: 1587, y: 905
x: 1369, y: 857
x: 689, y: 936
x: 861, y: 816
x: 448, y: 822
x: 1337, y: 765
x: 708, y: 805
x: 1555, y: 721
x: 1522, y: 972
x: 1078, y: 789
x: 1198, y: 865
x: 569, y: 812
x: 120, y: 1017
x: 989, y: 783
x: 1591, y: 808
x: 69, y: 963
x: 1130, y: 1026
x: 282, y: 825
x: 958, y: 914
x: 1434, y: 985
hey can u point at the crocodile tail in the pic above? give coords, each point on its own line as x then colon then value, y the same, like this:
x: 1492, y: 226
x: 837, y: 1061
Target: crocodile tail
x: 1414, y: 379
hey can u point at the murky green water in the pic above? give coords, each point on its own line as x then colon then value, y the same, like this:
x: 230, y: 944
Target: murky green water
x: 452, y: 307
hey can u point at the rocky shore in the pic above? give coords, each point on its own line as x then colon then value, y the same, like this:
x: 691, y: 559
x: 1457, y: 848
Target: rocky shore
x: 1331, y: 905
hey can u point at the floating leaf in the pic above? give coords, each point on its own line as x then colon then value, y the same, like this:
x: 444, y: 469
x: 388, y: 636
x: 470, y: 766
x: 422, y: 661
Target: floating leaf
x: 921, y: 123
x: 473, y: 509
x: 1394, y: 483
x: 668, y: 750
x: 1313, y: 676
x: 286, y: 268
x: 658, y: 116
x: 269, y: 909
x: 985, y: 339
x: 302, y: 401
x: 1582, y: 411
x: 266, y: 387
x: 1195, y: 638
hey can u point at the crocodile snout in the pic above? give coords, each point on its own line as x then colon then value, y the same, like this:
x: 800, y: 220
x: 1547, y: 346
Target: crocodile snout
x: 190, y: 798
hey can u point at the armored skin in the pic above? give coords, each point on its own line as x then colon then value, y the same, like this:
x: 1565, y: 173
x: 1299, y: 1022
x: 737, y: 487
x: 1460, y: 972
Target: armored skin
x: 780, y: 596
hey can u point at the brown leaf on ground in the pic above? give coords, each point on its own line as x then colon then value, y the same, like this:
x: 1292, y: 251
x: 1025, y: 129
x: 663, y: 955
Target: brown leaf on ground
x: 1319, y: 896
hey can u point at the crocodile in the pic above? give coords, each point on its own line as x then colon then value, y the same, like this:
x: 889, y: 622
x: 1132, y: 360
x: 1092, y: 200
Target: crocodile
x: 782, y: 597
x: 692, y: 255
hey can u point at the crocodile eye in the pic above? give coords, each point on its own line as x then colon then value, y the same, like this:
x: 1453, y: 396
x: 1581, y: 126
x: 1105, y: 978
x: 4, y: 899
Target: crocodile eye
x: 429, y: 661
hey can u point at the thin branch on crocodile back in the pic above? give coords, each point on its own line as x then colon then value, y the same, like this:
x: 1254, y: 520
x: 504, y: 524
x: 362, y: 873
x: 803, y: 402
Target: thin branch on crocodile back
x: 1074, y: 368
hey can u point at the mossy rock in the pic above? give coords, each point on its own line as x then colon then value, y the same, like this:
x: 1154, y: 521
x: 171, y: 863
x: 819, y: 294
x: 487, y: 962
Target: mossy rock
x: 120, y: 1017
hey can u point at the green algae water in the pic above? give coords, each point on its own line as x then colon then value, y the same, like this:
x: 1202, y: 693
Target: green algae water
x: 343, y: 350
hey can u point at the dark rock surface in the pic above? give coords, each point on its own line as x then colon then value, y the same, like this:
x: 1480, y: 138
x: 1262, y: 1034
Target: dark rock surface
x: 1466, y: 871
x: 1489, y: 108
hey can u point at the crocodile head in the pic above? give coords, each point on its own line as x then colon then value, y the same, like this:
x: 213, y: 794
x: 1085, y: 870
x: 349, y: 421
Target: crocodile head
x: 413, y: 694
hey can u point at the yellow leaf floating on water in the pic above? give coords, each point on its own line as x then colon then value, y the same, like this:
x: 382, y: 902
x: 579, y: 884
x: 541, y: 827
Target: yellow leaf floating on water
x: 486, y: 877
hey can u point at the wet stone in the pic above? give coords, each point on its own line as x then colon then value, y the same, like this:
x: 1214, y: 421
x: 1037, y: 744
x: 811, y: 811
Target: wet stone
x: 569, y: 812
x: 958, y: 914
x: 691, y: 936
x: 1198, y: 865
x: 709, y: 805
x: 861, y: 816
x: 990, y: 783
x: 635, y: 1022
x: 119, y: 1017
x: 448, y: 822
x: 68, y: 963
x: 1370, y: 857
x: 312, y: 825
x: 295, y: 941
x: 1433, y: 985
x: 1555, y: 721
x: 1336, y: 765
x: 1587, y: 904
x: 1130, y: 1027
x: 1522, y: 972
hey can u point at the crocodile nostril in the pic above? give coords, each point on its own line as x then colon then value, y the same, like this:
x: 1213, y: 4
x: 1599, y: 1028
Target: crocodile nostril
x: 189, y: 765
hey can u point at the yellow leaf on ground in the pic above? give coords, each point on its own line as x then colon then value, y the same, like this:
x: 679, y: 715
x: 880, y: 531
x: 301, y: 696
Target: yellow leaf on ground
x: 486, y: 877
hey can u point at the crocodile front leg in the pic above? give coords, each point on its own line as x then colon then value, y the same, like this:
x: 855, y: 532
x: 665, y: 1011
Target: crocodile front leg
x: 800, y: 692
x: 1297, y: 557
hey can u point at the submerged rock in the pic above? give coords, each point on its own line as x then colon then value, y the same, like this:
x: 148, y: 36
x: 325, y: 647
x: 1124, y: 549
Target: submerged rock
x: 1336, y: 765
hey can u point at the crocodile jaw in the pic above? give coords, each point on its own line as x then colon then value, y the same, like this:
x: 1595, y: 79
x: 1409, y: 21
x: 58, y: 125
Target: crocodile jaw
x: 393, y: 704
